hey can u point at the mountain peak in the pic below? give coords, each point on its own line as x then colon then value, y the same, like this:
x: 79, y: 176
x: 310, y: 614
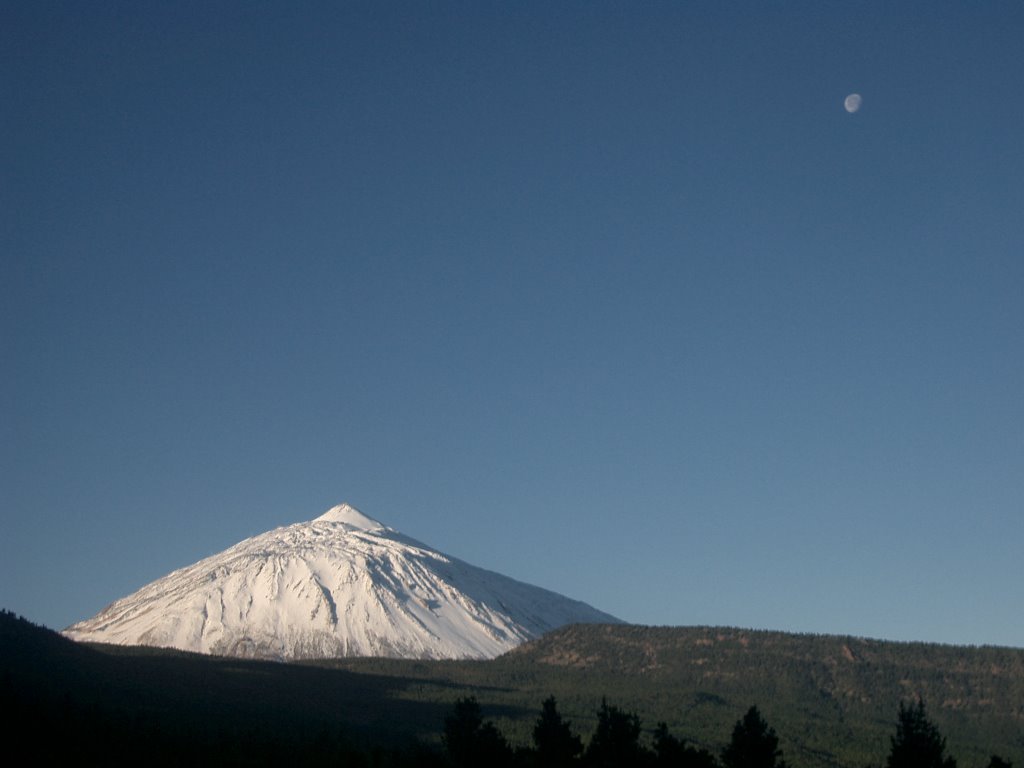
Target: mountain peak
x: 340, y: 585
x: 349, y: 515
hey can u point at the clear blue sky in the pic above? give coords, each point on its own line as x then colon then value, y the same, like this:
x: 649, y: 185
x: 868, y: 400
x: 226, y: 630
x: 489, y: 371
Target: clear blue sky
x: 615, y: 298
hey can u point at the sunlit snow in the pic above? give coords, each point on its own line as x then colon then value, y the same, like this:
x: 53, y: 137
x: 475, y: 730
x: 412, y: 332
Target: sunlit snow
x: 340, y: 585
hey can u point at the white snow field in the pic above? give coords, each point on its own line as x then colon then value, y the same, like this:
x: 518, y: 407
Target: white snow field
x: 340, y: 585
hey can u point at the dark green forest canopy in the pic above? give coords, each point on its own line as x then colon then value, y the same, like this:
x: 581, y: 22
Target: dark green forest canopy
x: 832, y: 700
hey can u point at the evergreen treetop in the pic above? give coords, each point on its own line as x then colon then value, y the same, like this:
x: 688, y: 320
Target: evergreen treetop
x: 753, y: 744
x: 917, y: 743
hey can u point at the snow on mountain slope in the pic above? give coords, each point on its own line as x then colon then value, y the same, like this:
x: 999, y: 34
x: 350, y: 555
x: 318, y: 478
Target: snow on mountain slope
x: 340, y: 585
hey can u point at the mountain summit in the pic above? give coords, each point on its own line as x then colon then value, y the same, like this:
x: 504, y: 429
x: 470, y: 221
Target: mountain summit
x: 346, y: 513
x: 340, y: 585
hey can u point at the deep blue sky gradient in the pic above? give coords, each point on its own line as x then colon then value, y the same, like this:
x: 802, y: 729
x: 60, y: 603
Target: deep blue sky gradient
x: 614, y: 298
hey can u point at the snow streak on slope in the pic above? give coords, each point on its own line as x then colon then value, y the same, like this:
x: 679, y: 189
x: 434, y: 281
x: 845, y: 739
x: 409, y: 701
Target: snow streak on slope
x: 341, y: 585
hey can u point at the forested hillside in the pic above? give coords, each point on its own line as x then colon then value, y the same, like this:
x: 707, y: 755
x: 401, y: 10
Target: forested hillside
x: 832, y: 701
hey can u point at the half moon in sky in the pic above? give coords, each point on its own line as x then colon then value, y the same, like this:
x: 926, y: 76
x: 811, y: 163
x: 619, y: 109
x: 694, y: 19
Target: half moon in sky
x: 852, y: 102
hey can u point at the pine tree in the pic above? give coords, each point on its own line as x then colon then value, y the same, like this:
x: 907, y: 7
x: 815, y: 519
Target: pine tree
x: 753, y: 744
x: 674, y: 752
x: 616, y: 741
x: 917, y: 743
x: 556, y: 744
x: 469, y: 741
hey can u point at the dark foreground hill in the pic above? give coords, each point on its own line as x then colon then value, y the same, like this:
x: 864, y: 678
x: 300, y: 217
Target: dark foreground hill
x: 832, y: 700
x: 70, y: 703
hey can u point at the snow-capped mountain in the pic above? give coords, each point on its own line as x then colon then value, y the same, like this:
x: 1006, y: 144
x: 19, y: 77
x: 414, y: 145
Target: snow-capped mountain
x: 340, y: 585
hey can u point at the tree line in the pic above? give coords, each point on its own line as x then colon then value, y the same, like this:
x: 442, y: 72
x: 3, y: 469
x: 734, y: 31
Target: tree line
x: 470, y: 741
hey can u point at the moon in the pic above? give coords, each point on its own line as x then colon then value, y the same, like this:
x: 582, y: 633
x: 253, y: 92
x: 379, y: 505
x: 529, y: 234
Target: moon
x: 852, y: 102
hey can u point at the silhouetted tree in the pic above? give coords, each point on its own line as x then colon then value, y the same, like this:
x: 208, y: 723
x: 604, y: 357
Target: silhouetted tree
x: 555, y: 743
x: 997, y: 762
x: 753, y: 744
x: 469, y: 741
x: 917, y: 743
x: 671, y: 751
x: 616, y: 741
